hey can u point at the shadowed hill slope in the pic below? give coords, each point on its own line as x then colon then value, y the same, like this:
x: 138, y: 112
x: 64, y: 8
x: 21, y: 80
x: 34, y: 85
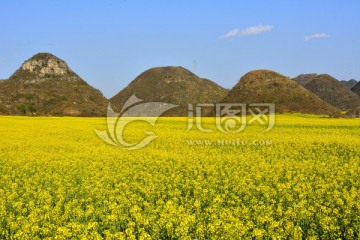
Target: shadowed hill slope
x: 333, y: 92
x: 349, y: 84
x: 356, y: 89
x: 303, y: 79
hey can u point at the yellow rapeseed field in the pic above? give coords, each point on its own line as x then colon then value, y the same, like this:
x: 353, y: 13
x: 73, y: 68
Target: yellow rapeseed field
x: 301, y: 179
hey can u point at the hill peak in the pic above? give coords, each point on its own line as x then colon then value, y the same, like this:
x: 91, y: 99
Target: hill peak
x: 45, y: 64
x: 43, y: 67
x: 167, y: 74
x: 326, y: 76
x: 168, y: 68
x: 262, y: 73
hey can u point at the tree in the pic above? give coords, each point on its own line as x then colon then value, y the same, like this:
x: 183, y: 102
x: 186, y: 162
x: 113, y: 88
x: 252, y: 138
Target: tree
x: 22, y: 108
x: 31, y: 108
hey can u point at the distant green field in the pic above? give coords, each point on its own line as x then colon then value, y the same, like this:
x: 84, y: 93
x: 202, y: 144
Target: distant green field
x: 58, y: 180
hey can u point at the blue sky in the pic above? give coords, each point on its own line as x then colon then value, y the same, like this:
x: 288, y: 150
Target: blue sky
x: 108, y: 43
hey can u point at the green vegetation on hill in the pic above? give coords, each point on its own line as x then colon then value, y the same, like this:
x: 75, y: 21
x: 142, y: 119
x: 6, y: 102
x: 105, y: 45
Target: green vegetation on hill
x: 356, y: 89
x: 45, y: 85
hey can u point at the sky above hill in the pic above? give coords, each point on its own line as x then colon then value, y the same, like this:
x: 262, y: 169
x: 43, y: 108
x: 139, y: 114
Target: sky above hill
x: 108, y: 43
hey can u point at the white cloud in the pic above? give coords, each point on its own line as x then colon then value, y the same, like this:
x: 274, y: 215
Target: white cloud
x: 230, y: 34
x: 248, y: 31
x: 317, y: 35
x: 256, y: 30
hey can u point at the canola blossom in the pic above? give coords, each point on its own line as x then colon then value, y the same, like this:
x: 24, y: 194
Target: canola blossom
x: 301, y: 180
